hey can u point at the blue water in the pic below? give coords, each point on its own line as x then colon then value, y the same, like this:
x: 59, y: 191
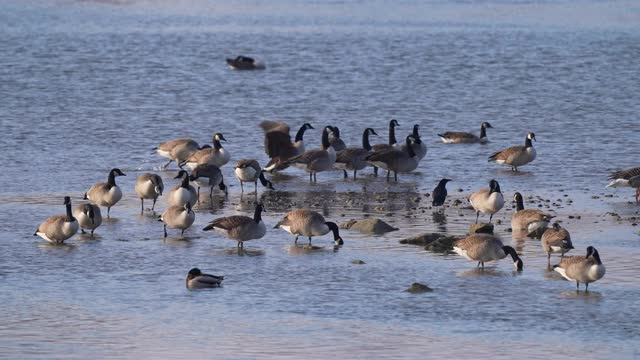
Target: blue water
x: 91, y: 85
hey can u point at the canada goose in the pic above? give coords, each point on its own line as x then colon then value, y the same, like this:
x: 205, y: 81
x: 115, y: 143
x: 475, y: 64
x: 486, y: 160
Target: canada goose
x: 485, y: 247
x: 57, y: 229
x: 418, y: 145
x: 556, y: 240
x: 183, y: 193
x: 278, y: 145
x: 148, y: 186
x: 304, y: 222
x: 487, y: 201
x: 208, y: 175
x: 582, y: 269
x: 456, y: 137
x: 88, y: 216
x: 249, y: 170
x: 516, y: 155
x: 336, y: 141
x: 392, y: 141
x: 626, y: 178
x: 178, y: 217
x: 245, y: 63
x: 177, y: 150
x: 439, y: 194
x: 353, y: 158
x: 240, y: 228
x: 315, y: 161
x: 197, y: 280
x: 216, y: 155
x: 106, y: 194
x: 395, y: 159
x: 528, y: 219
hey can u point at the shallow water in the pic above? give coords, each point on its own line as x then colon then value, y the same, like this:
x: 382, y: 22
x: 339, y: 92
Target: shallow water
x: 87, y: 86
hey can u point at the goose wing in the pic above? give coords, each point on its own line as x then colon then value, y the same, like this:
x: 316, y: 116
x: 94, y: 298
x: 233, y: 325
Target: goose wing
x: 229, y: 222
x: 507, y: 153
x: 625, y: 174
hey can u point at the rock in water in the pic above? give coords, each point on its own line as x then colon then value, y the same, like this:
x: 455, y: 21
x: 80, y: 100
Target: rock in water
x: 481, y: 228
x: 417, y: 288
x: 443, y: 244
x: 358, y: 262
x: 422, y: 240
x: 368, y: 226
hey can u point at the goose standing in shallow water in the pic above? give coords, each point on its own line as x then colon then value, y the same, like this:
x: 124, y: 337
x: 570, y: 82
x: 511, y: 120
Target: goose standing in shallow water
x: 216, y: 155
x: 249, y: 170
x: 556, y: 240
x: 456, y: 137
x: 485, y: 247
x: 487, y: 201
x: 57, y: 229
x: 626, y: 178
x: 148, y: 186
x: 278, y: 145
x: 197, y: 280
x: 354, y: 158
x: 419, y: 147
x: 315, y: 161
x: 208, y: 175
x: 183, y: 193
x: 530, y: 220
x: 106, y: 194
x: 89, y: 217
x: 582, y: 269
x: 516, y: 155
x: 304, y: 222
x: 396, y: 159
x: 178, y: 217
x: 391, y: 144
x: 240, y: 228
x: 177, y: 150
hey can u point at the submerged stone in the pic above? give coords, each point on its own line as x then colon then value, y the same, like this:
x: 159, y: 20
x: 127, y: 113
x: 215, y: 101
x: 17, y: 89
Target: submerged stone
x: 417, y: 288
x: 368, y: 226
x: 481, y: 228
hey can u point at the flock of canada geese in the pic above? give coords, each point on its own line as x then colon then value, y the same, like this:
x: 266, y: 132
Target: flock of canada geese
x: 204, y: 163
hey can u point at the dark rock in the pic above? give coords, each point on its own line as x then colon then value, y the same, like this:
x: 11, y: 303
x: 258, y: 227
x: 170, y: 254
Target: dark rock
x: 456, y: 202
x: 422, y: 240
x: 417, y: 288
x: 481, y: 228
x: 368, y: 226
x: 443, y: 244
x: 358, y: 262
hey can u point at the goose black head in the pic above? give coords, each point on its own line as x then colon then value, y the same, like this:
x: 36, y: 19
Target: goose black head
x: 486, y: 125
x: 181, y: 173
x: 194, y: 273
x: 307, y: 126
x: 117, y: 172
x: 370, y: 131
x: 67, y: 200
x: 517, y: 262
x: 394, y: 123
x: 494, y: 186
x: 219, y: 137
x: 337, y: 239
x: 531, y: 136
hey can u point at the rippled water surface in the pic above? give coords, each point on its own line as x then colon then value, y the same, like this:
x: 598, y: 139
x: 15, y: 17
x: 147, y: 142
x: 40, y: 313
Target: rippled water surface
x: 91, y: 85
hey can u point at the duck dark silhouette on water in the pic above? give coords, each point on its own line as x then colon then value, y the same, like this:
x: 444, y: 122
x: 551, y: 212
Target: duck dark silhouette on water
x: 245, y: 63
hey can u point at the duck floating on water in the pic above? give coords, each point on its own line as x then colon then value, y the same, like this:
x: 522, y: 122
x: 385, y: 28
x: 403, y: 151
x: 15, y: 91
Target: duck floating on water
x: 245, y: 63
